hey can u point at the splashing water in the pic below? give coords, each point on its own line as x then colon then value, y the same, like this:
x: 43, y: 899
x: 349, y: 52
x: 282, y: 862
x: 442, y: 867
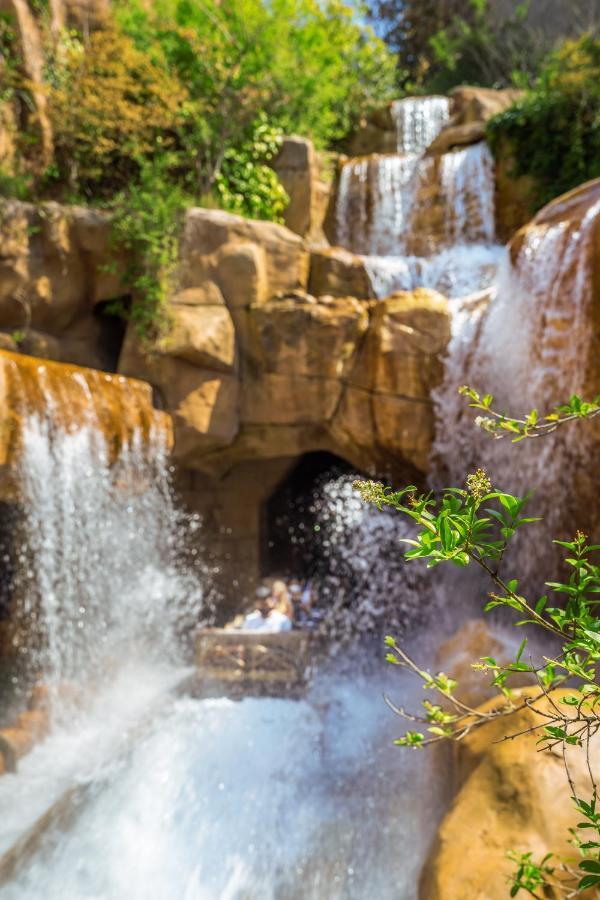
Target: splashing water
x: 397, y: 205
x: 454, y: 272
x: 258, y: 799
x: 101, y: 579
x: 364, y: 585
x: 530, y: 347
x: 421, y: 221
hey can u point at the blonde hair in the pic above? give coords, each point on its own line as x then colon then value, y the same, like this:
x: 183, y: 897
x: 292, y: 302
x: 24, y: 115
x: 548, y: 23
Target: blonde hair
x: 283, y: 603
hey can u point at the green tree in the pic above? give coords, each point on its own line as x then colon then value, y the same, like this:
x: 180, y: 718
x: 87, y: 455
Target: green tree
x: 310, y: 67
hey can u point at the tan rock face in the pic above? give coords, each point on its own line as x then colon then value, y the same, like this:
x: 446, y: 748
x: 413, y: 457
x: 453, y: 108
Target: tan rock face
x: 563, y: 320
x: 512, y: 798
x: 457, y: 136
x: 257, y: 368
x: 298, y: 168
x: 7, y: 134
x: 123, y: 407
x: 338, y: 273
x: 476, y: 104
x: 31, y: 52
x: 248, y: 260
x: 387, y: 402
x: 56, y: 265
x: 474, y: 640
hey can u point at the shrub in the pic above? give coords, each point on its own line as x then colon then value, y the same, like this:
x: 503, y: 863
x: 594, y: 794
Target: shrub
x: 474, y: 525
x: 311, y: 67
x: 553, y: 134
x: 147, y: 217
x: 111, y: 107
x: 245, y: 184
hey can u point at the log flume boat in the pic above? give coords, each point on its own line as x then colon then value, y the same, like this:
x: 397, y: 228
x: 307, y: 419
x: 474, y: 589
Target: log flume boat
x: 239, y: 664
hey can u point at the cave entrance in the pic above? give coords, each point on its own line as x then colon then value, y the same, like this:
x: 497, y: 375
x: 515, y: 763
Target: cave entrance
x: 111, y: 316
x: 289, y: 536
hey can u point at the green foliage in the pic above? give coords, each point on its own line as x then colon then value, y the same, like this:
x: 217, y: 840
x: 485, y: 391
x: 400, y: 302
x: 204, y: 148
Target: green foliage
x: 245, y: 184
x: 311, y: 67
x: 499, y: 424
x: 444, y: 43
x: 147, y: 218
x: 553, y: 134
x: 112, y: 106
x: 475, y: 525
x: 479, y: 49
x: 14, y: 185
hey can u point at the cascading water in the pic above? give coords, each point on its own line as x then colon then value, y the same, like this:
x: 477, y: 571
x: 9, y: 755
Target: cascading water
x: 530, y: 347
x: 264, y: 798
x: 418, y: 123
x: 421, y: 221
x: 101, y: 532
x: 269, y: 798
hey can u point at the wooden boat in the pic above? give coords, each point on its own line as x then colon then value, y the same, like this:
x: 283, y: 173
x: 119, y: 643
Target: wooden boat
x: 238, y: 663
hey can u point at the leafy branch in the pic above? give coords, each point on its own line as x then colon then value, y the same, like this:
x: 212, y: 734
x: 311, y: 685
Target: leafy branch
x: 475, y: 525
x: 499, y: 424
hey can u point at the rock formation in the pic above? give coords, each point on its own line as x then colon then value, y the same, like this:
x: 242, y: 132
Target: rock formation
x: 511, y: 798
x: 257, y: 367
x: 30, y: 45
x: 56, y: 269
x: 300, y: 170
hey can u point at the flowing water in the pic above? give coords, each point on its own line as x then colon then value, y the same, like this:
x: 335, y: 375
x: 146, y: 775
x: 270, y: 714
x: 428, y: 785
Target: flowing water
x: 268, y: 798
x: 182, y: 797
x: 421, y: 221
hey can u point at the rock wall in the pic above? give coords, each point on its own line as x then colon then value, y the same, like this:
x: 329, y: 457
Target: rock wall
x: 256, y: 367
x: 301, y: 171
x: 57, y: 267
x: 511, y: 798
x: 258, y: 371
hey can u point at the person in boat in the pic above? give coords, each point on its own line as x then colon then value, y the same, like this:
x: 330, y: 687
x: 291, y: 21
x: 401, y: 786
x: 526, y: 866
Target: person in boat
x: 255, y: 620
x: 271, y: 613
x: 282, y: 599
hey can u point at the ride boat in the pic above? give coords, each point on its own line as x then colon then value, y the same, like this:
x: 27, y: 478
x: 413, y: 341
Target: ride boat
x: 237, y: 664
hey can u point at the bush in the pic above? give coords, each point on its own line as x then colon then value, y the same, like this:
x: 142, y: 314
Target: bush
x: 147, y: 218
x: 553, y: 134
x: 478, y: 49
x: 311, y: 67
x: 245, y: 184
x: 111, y: 107
x: 475, y: 525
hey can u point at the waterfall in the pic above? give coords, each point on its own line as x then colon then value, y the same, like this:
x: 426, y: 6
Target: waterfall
x: 181, y: 797
x: 421, y: 221
x: 529, y: 346
x: 100, y: 577
x: 418, y: 121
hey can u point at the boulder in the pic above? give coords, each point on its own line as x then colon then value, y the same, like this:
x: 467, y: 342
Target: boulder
x: 387, y: 402
x: 302, y: 351
x: 248, y: 260
x: 197, y: 388
x: 457, y: 136
x: 512, y: 798
x: 338, y: 273
x: 474, y: 640
x: 298, y: 168
x: 556, y: 280
x: 477, y: 104
x: 56, y: 265
x: 201, y: 335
